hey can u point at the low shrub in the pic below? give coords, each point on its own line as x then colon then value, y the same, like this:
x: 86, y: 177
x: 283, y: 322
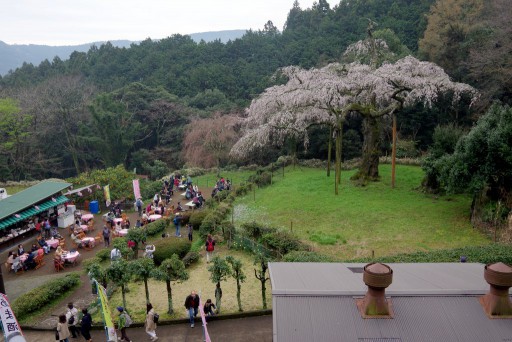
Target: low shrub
x: 222, y: 195
x: 305, y: 256
x: 165, y: 248
x: 103, y: 255
x: 197, y: 217
x: 484, y: 254
x: 191, y: 258
x: 38, y: 298
x: 243, y: 189
x: 149, y: 188
x: 262, y: 179
x: 156, y: 227
x: 282, y: 242
x: 228, y: 230
x: 256, y: 230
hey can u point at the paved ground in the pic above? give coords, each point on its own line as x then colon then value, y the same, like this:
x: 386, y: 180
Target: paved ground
x: 253, y: 329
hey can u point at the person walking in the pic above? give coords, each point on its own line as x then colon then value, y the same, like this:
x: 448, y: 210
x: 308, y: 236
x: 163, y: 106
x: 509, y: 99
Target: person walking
x: 72, y: 317
x: 122, y: 323
x: 192, y: 304
x: 62, y: 329
x: 150, y: 324
x: 139, y: 206
x: 190, y: 231
x: 177, y: 224
x: 106, y: 236
x: 210, y: 247
x: 85, y: 325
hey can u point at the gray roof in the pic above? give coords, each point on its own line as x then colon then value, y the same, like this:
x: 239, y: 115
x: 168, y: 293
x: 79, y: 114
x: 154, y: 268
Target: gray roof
x: 347, y: 279
x: 30, y: 196
x: 431, y: 302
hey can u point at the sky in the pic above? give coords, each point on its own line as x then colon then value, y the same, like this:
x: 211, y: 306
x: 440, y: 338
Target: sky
x: 73, y: 22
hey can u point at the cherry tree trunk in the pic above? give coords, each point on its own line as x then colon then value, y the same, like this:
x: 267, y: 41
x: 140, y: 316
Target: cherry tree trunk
x: 369, y: 168
x: 329, y: 153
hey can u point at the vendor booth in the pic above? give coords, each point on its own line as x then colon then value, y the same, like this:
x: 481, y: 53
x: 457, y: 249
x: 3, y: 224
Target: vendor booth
x: 20, y: 212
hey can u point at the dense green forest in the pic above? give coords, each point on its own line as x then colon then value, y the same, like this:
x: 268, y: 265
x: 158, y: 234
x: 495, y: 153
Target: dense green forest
x: 157, y: 103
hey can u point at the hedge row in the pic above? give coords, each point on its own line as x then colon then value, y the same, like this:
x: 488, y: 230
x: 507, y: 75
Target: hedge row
x: 157, y: 227
x: 165, y: 248
x: 38, y: 298
x: 305, y: 256
x: 483, y: 254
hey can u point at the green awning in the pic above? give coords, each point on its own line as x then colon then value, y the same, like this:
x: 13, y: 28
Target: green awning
x: 25, y: 199
x: 23, y: 215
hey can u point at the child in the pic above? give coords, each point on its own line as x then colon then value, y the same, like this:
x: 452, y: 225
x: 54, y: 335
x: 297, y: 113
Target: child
x: 208, y: 308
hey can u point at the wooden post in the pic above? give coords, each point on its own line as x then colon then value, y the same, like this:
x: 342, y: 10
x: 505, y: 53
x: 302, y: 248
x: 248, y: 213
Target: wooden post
x: 254, y: 192
x: 291, y: 226
x: 373, y: 254
x: 283, y: 169
x: 271, y: 172
x: 393, y: 153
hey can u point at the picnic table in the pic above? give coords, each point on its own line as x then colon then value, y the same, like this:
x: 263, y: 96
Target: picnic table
x: 89, y: 240
x: 71, y: 257
x: 53, y: 243
x: 154, y: 217
x: 23, y: 257
x: 123, y: 232
x: 87, y: 217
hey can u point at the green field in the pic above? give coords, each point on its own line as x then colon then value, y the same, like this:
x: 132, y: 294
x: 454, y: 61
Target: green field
x: 361, y: 219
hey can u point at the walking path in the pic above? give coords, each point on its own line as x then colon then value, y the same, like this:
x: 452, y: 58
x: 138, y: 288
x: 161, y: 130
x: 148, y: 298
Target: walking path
x: 252, y: 329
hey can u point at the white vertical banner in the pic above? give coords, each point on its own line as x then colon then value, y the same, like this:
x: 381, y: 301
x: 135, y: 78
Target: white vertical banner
x: 10, y: 325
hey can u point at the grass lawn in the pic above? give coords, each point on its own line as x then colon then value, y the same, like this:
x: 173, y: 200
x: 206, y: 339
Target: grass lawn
x: 199, y: 281
x: 361, y: 219
x: 209, y: 180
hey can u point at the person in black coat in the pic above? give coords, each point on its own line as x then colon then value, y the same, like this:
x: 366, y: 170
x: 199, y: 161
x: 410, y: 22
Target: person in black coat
x: 86, y: 325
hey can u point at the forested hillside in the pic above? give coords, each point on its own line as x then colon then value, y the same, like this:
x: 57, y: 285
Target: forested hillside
x: 137, y: 106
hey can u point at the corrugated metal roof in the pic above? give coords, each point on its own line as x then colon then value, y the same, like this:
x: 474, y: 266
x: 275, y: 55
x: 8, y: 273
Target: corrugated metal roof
x: 22, y: 215
x: 421, y: 319
x: 28, y: 197
x: 408, y: 279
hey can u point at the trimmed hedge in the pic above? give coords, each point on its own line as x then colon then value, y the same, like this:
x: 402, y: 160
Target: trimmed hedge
x: 38, y: 298
x: 157, y: 227
x: 484, y: 254
x: 197, y: 217
x: 282, y: 242
x: 256, y: 230
x: 103, y: 254
x: 305, y: 256
x: 166, y: 247
x: 191, y: 258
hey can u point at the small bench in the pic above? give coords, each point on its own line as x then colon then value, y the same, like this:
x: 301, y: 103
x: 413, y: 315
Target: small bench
x: 191, y: 205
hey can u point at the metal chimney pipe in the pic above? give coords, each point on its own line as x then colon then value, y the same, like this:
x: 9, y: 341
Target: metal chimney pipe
x: 496, y: 302
x: 377, y: 277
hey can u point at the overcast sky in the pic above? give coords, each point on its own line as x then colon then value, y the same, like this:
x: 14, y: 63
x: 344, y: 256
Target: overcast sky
x: 71, y: 22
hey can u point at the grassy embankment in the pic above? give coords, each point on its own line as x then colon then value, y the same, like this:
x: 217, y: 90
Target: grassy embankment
x: 362, y: 219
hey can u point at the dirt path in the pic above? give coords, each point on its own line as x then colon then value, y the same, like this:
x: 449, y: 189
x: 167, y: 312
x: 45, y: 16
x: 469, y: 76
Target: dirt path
x: 17, y: 285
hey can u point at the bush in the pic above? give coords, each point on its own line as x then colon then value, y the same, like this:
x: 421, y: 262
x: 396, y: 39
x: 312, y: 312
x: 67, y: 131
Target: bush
x: 228, y: 230
x: 483, y: 254
x: 38, y: 298
x: 263, y: 179
x: 256, y: 230
x: 197, y: 217
x: 156, y: 227
x: 165, y: 248
x: 190, y: 258
x: 282, y: 242
x: 304, y: 256
x: 103, y: 255
x: 222, y: 195
x: 243, y: 189
x: 148, y: 189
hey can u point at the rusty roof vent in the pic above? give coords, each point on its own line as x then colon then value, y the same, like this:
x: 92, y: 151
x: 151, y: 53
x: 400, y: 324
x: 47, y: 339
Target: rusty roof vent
x: 496, y: 302
x: 374, y: 304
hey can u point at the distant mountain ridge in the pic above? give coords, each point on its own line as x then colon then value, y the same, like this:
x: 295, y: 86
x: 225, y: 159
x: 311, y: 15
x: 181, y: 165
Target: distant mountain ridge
x: 13, y: 56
